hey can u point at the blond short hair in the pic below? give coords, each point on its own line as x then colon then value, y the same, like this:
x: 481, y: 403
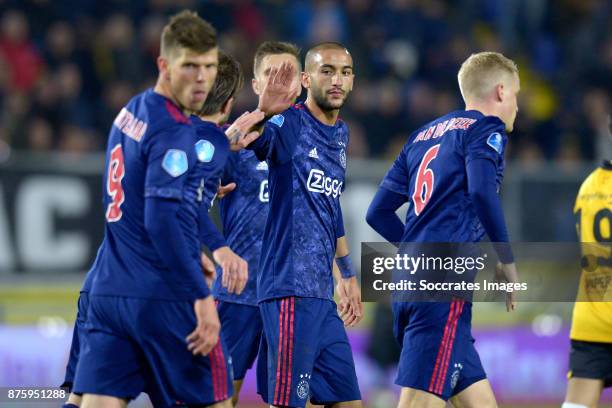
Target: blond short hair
x: 482, y: 71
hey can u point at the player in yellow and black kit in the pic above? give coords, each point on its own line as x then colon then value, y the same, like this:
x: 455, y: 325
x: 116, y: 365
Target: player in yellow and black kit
x: 590, y: 359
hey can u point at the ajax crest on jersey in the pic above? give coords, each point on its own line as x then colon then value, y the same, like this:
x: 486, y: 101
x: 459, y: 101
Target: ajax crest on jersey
x: 204, y: 150
x: 455, y: 375
x: 278, y: 120
x: 175, y: 162
x: 303, y: 387
x: 495, y: 141
x: 343, y: 158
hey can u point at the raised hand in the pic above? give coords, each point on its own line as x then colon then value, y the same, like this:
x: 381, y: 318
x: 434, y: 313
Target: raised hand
x: 278, y: 94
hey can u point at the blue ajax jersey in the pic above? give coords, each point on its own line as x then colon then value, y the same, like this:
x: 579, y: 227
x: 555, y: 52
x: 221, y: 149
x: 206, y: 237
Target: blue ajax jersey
x: 431, y: 172
x: 153, y: 151
x: 307, y: 164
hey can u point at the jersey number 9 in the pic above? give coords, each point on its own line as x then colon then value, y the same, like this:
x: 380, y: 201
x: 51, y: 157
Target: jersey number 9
x: 116, y: 171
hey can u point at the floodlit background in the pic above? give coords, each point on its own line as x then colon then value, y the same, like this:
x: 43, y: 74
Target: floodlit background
x: 67, y: 67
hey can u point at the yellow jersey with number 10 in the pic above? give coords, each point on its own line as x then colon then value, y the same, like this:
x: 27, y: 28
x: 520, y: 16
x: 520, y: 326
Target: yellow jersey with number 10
x: 592, y: 320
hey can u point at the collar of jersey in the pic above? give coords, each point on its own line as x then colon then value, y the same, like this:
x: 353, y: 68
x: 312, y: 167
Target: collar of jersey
x: 302, y: 105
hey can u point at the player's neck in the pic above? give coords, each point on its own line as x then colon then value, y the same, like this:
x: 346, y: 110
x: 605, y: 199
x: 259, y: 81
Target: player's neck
x: 483, y: 108
x: 326, y: 117
x: 217, y: 118
x: 163, y: 88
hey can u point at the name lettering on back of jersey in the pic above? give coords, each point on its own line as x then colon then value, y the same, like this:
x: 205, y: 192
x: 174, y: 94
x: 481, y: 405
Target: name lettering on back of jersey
x: 495, y: 141
x: 175, y: 162
x: 204, y: 150
x: 262, y: 166
x: 319, y: 183
x: 130, y: 125
x: 439, y: 130
x: 313, y: 153
x: 278, y: 120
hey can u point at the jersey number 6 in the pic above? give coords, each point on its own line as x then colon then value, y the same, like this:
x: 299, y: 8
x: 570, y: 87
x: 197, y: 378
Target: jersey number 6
x: 424, y: 183
x: 116, y: 171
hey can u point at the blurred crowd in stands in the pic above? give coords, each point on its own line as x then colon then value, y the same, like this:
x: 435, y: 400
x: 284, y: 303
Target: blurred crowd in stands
x: 67, y: 67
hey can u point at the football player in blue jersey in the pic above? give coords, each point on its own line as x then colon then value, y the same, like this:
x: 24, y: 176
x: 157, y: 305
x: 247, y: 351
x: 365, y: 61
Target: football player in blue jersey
x: 449, y: 172
x: 243, y: 215
x: 213, y: 142
x: 146, y: 289
x: 305, y: 353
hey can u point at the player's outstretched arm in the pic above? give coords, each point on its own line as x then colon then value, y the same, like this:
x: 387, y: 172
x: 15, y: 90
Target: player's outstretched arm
x: 243, y: 131
x: 351, y: 308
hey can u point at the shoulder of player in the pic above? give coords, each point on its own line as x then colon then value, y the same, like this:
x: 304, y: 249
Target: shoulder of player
x: 487, y: 129
x: 210, y: 131
x: 590, y: 182
x: 164, y: 118
x: 289, y: 116
x: 486, y: 125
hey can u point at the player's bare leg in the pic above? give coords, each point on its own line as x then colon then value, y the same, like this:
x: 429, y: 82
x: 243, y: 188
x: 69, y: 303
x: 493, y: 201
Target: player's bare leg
x: 346, y: 404
x: 74, y: 399
x: 583, y: 392
x: 477, y: 395
x: 102, y: 401
x: 413, y: 398
x: 223, y: 404
x: 237, y: 387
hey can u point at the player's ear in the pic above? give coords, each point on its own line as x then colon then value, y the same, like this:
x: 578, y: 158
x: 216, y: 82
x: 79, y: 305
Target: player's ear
x: 305, y: 80
x: 499, y: 92
x: 255, y: 86
x: 162, y: 66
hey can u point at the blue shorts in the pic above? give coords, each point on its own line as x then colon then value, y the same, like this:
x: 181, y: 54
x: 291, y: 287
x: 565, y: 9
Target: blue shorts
x: 135, y: 345
x: 242, y: 329
x: 438, y: 354
x: 78, y: 338
x: 305, y: 354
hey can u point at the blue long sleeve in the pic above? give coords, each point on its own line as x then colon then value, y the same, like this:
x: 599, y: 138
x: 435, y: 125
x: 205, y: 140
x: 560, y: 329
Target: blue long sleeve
x: 162, y: 225
x: 209, y: 234
x: 381, y: 214
x: 340, y: 224
x: 482, y: 188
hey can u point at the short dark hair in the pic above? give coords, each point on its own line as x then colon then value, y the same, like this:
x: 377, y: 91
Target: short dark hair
x: 275, y: 48
x: 187, y: 30
x: 328, y: 45
x: 229, y: 81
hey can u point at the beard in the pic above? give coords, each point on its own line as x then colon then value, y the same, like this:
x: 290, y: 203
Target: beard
x: 320, y: 97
